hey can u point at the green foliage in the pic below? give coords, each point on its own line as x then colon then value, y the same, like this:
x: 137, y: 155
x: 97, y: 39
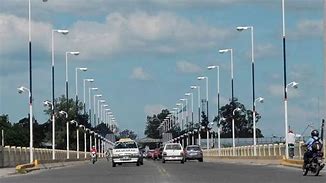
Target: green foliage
x: 242, y: 120
x: 127, y: 134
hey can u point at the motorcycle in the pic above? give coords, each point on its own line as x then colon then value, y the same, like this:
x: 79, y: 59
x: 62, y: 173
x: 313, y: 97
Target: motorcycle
x: 315, y: 164
x: 93, y: 157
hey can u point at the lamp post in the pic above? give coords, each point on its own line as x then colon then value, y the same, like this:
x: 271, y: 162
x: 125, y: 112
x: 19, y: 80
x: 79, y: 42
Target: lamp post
x: 233, y: 133
x: 84, y: 128
x: 231, y: 54
x: 98, y: 110
x: 198, y: 89
x: 67, y: 131
x: 76, y: 75
x: 21, y: 90
x: 219, y: 135
x: 68, y: 143
x: 90, y: 103
x: 63, y: 32
x: 207, y: 131
x: 77, y: 136
x: 261, y: 100
x: 71, y: 53
x: 181, y: 105
x: 192, y: 107
x: 186, y: 106
x: 84, y: 92
x: 102, y: 110
x: 90, y: 139
x: 294, y: 85
x: 50, y: 104
x: 94, y: 100
x: 218, y: 98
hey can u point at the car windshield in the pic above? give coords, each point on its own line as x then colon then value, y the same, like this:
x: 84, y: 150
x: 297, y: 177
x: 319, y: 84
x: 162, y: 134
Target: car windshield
x: 173, y: 147
x: 195, y: 148
x: 125, y: 145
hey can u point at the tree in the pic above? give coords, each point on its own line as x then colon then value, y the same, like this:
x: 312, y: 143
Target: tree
x: 127, y: 134
x: 242, y: 121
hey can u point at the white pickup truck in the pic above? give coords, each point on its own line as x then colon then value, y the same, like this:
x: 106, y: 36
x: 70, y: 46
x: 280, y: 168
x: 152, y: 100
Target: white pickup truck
x: 126, y: 151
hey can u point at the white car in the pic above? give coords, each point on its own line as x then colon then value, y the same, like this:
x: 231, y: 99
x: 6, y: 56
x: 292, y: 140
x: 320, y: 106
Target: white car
x: 173, y: 152
x: 126, y: 151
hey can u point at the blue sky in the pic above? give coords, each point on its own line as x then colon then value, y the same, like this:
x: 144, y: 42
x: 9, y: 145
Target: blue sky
x: 145, y: 54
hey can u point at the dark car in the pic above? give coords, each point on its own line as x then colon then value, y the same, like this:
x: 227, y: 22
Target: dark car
x: 193, y: 152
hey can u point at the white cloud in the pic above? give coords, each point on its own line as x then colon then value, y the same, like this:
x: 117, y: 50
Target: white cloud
x: 307, y: 28
x: 265, y: 50
x: 136, y: 32
x: 153, y: 109
x: 138, y: 73
x: 187, y: 67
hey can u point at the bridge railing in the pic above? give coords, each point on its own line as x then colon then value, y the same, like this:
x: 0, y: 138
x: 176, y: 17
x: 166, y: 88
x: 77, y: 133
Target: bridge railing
x: 11, y: 156
x: 276, y: 150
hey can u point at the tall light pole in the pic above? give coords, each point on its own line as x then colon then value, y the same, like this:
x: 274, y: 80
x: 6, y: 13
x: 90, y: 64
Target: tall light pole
x: 84, y: 69
x: 198, y: 89
x: 21, y: 90
x: 50, y: 104
x: 231, y: 54
x: 77, y: 135
x: 94, y: 100
x: 176, y: 120
x: 90, y: 103
x: 218, y: 101
x: 186, y: 106
x: 71, y: 53
x: 181, y: 105
x: 98, y: 110
x: 67, y: 131
x: 207, y: 131
x: 102, y: 110
x: 233, y: 133
x: 84, y: 129
x: 293, y: 84
x: 261, y: 100
x: 192, y: 108
x: 84, y: 89
x: 63, y: 32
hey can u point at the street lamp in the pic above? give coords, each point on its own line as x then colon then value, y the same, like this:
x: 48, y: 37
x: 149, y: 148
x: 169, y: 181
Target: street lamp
x: 98, y: 110
x: 90, y: 80
x: 94, y: 100
x: 71, y: 53
x: 260, y: 100
x: 207, y: 132
x: 63, y: 32
x: 198, y: 89
x: 90, y: 103
x: 233, y: 134
x: 84, y: 69
x: 77, y: 136
x: 192, y: 107
x: 181, y: 105
x: 102, y: 110
x: 219, y: 135
x: 84, y: 128
x: 186, y: 107
x: 50, y: 104
x: 67, y: 131
x: 21, y: 90
x: 294, y: 85
x: 222, y: 51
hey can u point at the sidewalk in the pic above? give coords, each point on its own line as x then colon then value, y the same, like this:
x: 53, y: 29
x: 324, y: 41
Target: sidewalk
x: 5, y: 172
x: 244, y: 161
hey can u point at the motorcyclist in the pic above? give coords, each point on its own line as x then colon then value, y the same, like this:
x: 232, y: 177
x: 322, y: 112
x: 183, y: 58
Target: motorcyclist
x: 93, y: 150
x: 309, y: 144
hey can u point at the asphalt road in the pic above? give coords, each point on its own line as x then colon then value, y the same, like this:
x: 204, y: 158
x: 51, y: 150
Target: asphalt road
x: 171, y: 172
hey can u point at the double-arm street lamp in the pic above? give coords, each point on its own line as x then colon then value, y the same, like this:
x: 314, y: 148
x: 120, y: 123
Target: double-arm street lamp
x: 23, y: 89
x: 260, y: 100
x: 50, y: 104
x: 233, y: 131
x: 294, y: 85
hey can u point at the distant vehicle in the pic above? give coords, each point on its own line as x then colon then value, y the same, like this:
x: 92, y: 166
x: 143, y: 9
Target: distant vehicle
x: 156, y: 153
x: 126, y: 151
x: 193, y: 152
x: 150, y: 154
x: 173, y: 152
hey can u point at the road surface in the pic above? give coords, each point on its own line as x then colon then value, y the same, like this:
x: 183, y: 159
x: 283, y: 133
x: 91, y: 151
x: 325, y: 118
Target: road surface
x: 171, y: 172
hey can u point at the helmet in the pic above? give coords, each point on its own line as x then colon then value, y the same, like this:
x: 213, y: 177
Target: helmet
x: 93, y: 146
x: 314, y: 133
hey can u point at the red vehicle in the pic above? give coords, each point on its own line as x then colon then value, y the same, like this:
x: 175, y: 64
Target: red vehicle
x: 157, y: 153
x: 150, y: 154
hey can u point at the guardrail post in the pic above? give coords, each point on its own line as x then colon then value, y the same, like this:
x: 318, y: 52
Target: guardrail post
x: 269, y: 149
x: 300, y: 149
x: 279, y: 149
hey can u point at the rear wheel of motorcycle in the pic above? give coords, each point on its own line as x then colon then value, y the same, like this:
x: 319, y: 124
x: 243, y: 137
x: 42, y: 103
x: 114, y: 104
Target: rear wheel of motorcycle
x: 317, y: 170
x: 305, y: 171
